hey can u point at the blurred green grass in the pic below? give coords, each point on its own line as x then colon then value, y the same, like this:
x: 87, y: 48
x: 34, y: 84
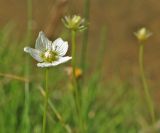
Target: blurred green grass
x: 107, y: 106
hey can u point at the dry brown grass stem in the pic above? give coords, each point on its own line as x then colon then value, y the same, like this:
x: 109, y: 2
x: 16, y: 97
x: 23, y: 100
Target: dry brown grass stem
x: 15, y: 77
x: 55, y: 16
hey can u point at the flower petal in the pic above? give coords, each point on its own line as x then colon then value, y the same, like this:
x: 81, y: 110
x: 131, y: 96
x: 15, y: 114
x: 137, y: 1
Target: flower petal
x: 42, y: 42
x: 55, y: 63
x: 61, y: 60
x: 34, y: 53
x: 60, y: 46
x: 44, y: 64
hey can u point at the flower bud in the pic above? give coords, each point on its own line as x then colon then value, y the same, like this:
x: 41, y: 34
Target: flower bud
x: 143, y: 34
x: 78, y: 72
x: 75, y: 23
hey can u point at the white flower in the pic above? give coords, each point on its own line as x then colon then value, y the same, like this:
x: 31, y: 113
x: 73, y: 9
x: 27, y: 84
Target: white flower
x: 49, y: 53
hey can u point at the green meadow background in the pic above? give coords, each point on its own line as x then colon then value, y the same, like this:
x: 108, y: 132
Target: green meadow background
x: 112, y: 94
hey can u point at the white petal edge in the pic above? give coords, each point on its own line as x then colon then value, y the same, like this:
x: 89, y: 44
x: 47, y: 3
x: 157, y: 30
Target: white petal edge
x: 42, y: 42
x: 34, y: 53
x: 55, y: 63
x: 60, y: 46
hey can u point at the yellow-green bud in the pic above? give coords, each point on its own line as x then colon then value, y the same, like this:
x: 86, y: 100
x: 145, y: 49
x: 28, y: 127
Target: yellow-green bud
x: 142, y: 34
x: 75, y: 23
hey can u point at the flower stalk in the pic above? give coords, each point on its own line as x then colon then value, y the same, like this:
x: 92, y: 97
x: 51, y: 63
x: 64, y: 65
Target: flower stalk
x: 142, y: 35
x: 145, y: 85
x: 45, y: 100
x: 75, y: 23
x: 75, y: 84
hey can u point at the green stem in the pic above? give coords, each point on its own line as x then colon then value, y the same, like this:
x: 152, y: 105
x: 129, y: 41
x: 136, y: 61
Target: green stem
x: 46, y: 101
x: 29, y: 23
x: 27, y: 101
x: 73, y: 51
x: 59, y: 117
x: 75, y: 84
x: 102, y: 50
x: 85, y: 36
x: 145, y: 85
x: 26, y: 119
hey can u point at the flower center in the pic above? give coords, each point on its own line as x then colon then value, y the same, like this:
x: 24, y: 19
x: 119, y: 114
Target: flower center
x: 49, y: 56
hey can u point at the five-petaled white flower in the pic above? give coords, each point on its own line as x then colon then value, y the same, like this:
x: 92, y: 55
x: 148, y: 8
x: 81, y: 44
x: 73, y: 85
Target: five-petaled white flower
x: 49, y: 53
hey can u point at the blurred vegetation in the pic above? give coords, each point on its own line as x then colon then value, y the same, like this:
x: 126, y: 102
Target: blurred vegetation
x: 109, y: 105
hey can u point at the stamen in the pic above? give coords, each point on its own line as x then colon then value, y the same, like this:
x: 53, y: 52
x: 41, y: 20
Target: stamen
x: 49, y: 56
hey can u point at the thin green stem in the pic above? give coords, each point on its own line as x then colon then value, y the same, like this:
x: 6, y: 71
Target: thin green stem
x: 27, y: 101
x: 26, y: 119
x: 102, y: 50
x: 75, y: 84
x: 73, y: 51
x: 29, y: 23
x: 45, y: 101
x: 85, y: 36
x: 145, y: 85
x: 57, y: 114
x: 59, y: 117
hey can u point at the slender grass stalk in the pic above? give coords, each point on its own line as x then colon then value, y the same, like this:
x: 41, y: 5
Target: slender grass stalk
x: 27, y: 99
x: 85, y: 36
x: 29, y: 23
x: 102, y: 50
x: 45, y: 100
x: 15, y: 77
x: 26, y: 120
x: 75, y: 84
x: 57, y: 114
x: 59, y: 117
x: 145, y: 85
